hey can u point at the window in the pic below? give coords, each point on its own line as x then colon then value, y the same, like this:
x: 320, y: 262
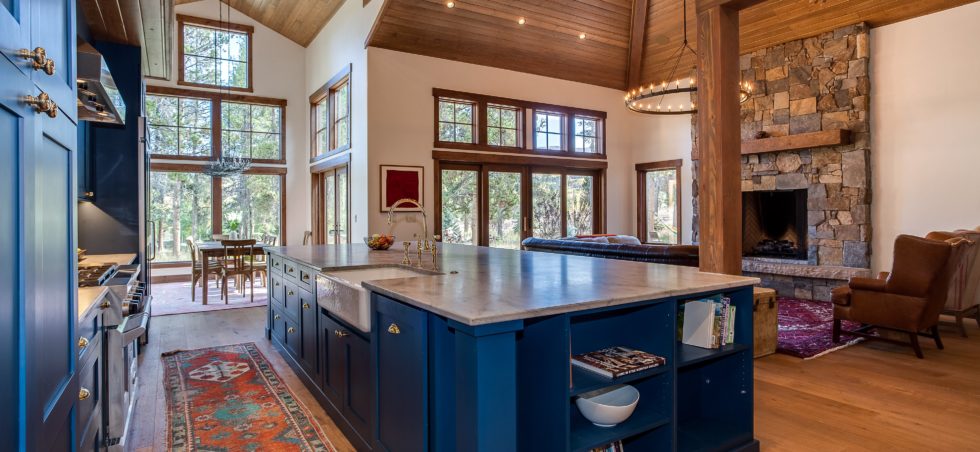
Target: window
x: 482, y: 202
x: 251, y: 205
x: 658, y: 190
x: 251, y: 131
x: 587, y: 135
x: 503, y: 126
x: 495, y: 124
x: 549, y: 131
x: 178, y: 126
x: 456, y: 121
x: 214, y: 53
x: 330, y: 113
x: 180, y: 206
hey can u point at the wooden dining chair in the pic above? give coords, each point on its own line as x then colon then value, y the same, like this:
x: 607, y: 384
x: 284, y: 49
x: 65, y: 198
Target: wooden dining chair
x: 307, y: 237
x: 238, y: 261
x: 197, y: 269
x: 261, y: 265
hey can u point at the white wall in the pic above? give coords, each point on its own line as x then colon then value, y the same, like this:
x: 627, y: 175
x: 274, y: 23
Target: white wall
x: 278, y: 72
x: 341, y: 42
x: 925, y: 127
x: 401, y: 123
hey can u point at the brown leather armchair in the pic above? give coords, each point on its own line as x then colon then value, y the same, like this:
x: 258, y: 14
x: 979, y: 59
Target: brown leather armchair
x: 908, y: 300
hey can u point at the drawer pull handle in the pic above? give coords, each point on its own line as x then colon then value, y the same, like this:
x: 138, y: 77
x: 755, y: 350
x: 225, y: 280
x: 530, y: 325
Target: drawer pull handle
x: 290, y: 269
x: 304, y: 276
x: 306, y: 306
x: 82, y: 342
x: 275, y: 317
x: 277, y: 283
x: 393, y: 329
x: 84, y: 394
x: 105, y: 304
x: 340, y: 333
x: 290, y: 330
x: 42, y: 104
x: 290, y: 293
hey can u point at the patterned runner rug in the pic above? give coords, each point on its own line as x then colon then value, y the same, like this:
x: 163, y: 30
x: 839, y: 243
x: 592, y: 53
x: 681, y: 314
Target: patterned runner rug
x: 230, y: 399
x: 805, y: 328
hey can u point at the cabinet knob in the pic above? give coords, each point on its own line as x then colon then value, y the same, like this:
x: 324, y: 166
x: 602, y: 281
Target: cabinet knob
x: 340, y: 333
x: 393, y: 329
x: 290, y: 293
x: 304, y: 276
x: 42, y: 104
x: 104, y: 305
x: 290, y: 330
x: 275, y: 317
x: 39, y: 59
x: 289, y: 269
x: 306, y: 306
x: 84, y: 394
x: 277, y: 283
x: 82, y: 342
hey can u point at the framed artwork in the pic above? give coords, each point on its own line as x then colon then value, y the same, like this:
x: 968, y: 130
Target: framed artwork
x: 398, y: 182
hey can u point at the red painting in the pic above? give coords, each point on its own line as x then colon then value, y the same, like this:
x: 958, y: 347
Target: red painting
x: 399, y: 182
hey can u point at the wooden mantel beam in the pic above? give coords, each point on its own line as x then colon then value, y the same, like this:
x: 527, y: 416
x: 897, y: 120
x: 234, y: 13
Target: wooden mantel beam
x: 719, y: 141
x: 638, y: 28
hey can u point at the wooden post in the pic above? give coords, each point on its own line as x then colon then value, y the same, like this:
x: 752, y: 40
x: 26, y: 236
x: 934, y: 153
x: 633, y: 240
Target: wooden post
x: 719, y: 143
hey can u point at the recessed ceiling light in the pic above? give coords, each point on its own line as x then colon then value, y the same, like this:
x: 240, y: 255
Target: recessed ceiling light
x: 581, y: 36
x: 450, y: 4
x: 521, y: 21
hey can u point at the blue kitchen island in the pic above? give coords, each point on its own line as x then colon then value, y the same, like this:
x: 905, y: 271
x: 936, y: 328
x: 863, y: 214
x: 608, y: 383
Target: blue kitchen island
x: 472, y: 353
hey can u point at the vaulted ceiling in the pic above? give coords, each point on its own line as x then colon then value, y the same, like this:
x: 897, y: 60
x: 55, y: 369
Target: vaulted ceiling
x: 487, y: 32
x: 298, y: 20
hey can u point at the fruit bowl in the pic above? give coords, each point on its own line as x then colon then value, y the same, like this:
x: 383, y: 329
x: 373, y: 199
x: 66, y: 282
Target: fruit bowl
x: 379, y: 241
x: 608, y: 406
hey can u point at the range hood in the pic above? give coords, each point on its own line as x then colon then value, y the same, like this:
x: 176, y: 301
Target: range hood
x: 98, y: 98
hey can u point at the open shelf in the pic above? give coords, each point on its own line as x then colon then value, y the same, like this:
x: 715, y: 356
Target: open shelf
x: 688, y: 355
x: 704, y: 435
x: 585, y: 381
x: 586, y: 435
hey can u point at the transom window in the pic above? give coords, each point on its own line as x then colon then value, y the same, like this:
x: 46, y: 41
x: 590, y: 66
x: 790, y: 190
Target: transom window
x: 181, y: 124
x: 251, y: 131
x: 214, y: 53
x: 503, y: 125
x: 178, y: 126
x: 456, y: 121
x: 587, y: 135
x: 549, y: 131
x: 331, y: 118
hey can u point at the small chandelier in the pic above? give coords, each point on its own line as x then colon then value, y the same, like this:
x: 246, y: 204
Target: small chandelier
x: 653, y: 99
x: 227, y: 166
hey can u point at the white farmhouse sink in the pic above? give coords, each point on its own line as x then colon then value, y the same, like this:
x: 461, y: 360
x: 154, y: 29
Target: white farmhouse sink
x: 340, y: 292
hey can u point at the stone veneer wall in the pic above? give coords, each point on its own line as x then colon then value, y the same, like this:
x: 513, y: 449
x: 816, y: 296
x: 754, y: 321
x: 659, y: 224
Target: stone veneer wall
x: 809, y: 85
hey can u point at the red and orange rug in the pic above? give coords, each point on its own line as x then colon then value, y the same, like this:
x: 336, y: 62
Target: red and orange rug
x: 230, y: 398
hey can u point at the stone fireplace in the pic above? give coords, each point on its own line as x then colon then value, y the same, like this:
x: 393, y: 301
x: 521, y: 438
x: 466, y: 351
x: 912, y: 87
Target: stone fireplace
x: 808, y: 207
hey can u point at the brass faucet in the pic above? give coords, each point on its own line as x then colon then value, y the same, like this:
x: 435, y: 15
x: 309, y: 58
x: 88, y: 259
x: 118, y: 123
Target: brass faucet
x: 425, y: 227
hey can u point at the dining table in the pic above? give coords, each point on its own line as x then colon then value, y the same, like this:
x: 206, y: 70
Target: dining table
x: 211, y: 250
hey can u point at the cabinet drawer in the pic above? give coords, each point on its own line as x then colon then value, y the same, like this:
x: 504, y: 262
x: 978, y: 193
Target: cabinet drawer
x: 276, y: 288
x: 293, y: 338
x: 278, y: 325
x: 89, y: 407
x: 89, y: 331
x: 306, y: 278
x: 293, y: 300
x: 275, y: 263
x: 290, y: 270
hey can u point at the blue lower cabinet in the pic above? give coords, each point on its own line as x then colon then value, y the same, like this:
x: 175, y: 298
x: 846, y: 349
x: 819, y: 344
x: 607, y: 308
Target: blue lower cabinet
x: 307, y: 319
x: 346, y: 377
x: 334, y: 373
x: 400, y: 341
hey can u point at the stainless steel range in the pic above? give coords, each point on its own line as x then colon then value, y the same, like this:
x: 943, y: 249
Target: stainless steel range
x: 126, y: 321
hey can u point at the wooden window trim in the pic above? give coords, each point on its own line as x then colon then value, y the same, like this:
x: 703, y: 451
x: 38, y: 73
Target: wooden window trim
x: 327, y: 92
x: 641, y: 197
x: 216, y: 101
x: 477, y: 131
x: 518, y: 130
x: 216, y: 196
x: 318, y: 179
x: 527, y: 144
x: 220, y: 25
x: 600, y: 136
x: 565, y: 134
x: 526, y: 165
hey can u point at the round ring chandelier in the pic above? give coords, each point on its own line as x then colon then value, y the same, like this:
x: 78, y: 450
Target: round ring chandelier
x: 664, y: 98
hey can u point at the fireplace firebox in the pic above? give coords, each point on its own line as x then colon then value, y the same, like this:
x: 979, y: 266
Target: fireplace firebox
x: 774, y: 224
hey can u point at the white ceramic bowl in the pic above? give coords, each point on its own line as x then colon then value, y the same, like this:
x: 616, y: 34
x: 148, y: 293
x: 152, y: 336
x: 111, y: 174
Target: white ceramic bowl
x: 607, y: 407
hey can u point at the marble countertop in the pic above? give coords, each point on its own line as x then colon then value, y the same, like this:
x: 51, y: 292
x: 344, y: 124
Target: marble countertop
x: 480, y: 285
x: 103, y: 259
x: 88, y: 296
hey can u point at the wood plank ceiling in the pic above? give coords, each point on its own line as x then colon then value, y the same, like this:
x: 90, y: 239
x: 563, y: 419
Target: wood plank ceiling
x: 145, y: 23
x: 486, y: 32
x: 298, y: 20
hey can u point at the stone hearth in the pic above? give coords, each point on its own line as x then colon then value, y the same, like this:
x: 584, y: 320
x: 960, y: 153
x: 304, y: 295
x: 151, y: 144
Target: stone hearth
x: 809, y: 85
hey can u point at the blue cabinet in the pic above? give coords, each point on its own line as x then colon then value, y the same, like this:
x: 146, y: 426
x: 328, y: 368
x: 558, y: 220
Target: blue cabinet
x: 346, y: 368
x: 400, y: 341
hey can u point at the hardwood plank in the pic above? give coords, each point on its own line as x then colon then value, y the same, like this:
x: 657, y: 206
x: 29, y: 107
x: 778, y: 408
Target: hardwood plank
x: 637, y: 34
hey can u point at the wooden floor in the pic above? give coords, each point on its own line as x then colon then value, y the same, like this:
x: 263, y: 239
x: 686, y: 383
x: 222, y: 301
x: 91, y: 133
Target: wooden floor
x: 872, y: 396
x: 199, y: 330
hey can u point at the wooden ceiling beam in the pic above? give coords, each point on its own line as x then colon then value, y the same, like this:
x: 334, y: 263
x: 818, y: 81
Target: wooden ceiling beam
x: 638, y: 31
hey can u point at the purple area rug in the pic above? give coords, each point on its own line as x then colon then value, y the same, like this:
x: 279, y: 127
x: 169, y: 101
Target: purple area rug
x: 805, y: 328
